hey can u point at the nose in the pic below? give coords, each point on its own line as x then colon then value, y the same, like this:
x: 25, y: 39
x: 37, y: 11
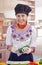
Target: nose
x: 20, y: 17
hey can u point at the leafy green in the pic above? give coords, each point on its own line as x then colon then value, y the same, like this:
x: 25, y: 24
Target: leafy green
x: 40, y: 62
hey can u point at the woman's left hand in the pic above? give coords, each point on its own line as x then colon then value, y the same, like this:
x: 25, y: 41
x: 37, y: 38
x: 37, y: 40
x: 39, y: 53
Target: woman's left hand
x: 32, y: 49
x: 28, y: 50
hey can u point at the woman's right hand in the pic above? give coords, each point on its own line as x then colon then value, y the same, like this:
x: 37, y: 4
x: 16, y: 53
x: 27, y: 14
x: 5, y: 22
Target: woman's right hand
x: 9, y: 47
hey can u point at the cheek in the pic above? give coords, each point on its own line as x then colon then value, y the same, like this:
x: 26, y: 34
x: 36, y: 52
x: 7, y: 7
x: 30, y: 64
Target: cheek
x: 18, y: 20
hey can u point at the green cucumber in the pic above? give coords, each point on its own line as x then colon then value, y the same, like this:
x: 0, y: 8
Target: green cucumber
x: 20, y: 50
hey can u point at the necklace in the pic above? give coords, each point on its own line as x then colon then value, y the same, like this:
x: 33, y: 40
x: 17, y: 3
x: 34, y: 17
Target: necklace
x: 22, y: 26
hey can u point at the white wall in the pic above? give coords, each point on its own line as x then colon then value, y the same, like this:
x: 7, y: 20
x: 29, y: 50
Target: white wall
x: 38, y: 13
x: 38, y: 16
x: 38, y: 9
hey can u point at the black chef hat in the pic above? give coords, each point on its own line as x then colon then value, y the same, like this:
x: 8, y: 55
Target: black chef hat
x: 21, y: 8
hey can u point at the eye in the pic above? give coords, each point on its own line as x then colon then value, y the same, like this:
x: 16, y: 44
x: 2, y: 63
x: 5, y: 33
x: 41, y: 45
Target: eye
x: 18, y: 16
x: 22, y: 15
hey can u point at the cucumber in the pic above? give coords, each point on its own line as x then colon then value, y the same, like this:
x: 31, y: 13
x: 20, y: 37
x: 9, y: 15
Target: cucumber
x: 20, y: 50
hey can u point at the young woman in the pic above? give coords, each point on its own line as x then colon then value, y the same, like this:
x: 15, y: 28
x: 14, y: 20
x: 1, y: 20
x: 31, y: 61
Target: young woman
x: 20, y: 35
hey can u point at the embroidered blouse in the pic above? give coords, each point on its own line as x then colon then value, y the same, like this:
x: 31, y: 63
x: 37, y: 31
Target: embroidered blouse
x: 20, y: 40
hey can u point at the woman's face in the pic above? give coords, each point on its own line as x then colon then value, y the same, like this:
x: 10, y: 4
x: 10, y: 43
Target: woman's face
x: 21, y: 18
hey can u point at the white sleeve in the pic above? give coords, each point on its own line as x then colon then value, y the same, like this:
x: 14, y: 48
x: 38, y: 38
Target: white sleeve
x: 8, y: 36
x: 34, y: 37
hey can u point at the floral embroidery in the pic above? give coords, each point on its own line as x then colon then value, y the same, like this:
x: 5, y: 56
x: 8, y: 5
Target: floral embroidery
x: 18, y: 34
x: 12, y: 30
x: 23, y: 36
x: 27, y: 35
x: 12, y: 27
x: 14, y: 36
x: 30, y: 31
